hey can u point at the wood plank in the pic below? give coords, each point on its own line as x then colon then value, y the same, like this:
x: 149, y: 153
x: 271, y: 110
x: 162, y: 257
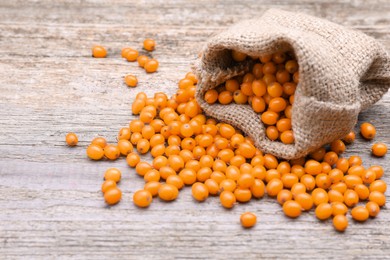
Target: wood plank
x: 50, y: 199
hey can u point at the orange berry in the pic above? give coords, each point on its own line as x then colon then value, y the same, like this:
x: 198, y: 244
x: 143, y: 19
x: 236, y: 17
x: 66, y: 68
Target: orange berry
x: 227, y: 199
x: 108, y: 184
x: 71, y: 139
x: 368, y: 131
x: 373, y: 208
x: 112, y: 152
x: 112, y: 196
x: 323, y: 211
x: 95, y: 152
x: 283, y: 196
x: 142, y: 198
x: 248, y: 219
x: 99, y: 52
x: 168, y: 192
x: 340, y: 222
x: 200, y: 191
x: 379, y: 149
x: 149, y: 44
x: 360, y: 213
x: 292, y: 209
x: 151, y: 66
x: 131, y: 80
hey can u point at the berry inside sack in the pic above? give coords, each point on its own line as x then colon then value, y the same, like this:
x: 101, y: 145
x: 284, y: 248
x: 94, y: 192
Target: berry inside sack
x: 339, y: 73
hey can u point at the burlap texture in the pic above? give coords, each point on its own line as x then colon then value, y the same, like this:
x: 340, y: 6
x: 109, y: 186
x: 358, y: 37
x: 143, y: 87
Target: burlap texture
x: 342, y: 72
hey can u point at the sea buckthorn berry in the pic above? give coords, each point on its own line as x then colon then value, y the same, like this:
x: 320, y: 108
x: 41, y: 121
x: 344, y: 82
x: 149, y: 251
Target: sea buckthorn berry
x: 282, y: 76
x: 258, y: 104
x: 269, y: 68
x: 357, y: 170
x: 272, y: 174
x: 362, y: 191
x: 142, y: 198
x: 377, y: 197
x: 292, y: 209
x: 313, y: 167
x: 378, y: 185
x: 323, y: 211
x: 112, y: 196
x: 125, y: 147
x: 368, y: 131
x: 298, y: 170
x: 270, y: 161
x: 283, y: 124
x: 200, y: 191
x: 188, y: 176
x: 131, y: 55
x: 351, y: 198
x: 124, y: 52
x: 257, y: 70
x: 273, y: 187
x: 227, y: 199
x: 151, y: 66
x: 136, y: 126
x: 337, y: 146
x: 360, y: 213
x: 152, y: 175
x: 319, y: 196
x: 152, y: 187
x: 258, y: 189
x: 131, y: 80
x: 100, y: 141
x: 378, y: 170
x: 275, y: 89
x: 99, y: 52
x: 289, y: 179
x: 108, y: 184
x: 211, y: 96
x: 71, y: 139
x: 113, y: 174
x: 112, y: 152
x: 239, y: 97
x: 338, y: 208
x: 225, y: 97
x: 319, y: 154
x: 259, y: 88
x: 272, y: 132
x: 243, y: 195
x: 132, y: 159
x: 149, y: 44
x: 335, y: 195
x: 355, y: 160
x: 326, y: 168
x: 246, y: 180
x: 232, y: 85
x: 379, y: 149
x: 248, y: 219
x: 340, y: 223
x: 292, y: 66
x: 283, y: 196
x: 340, y: 187
x: 142, y: 168
x: 124, y: 133
x: 95, y: 152
x: 331, y: 158
x: 247, y: 150
x: 176, y: 181
x: 369, y: 176
x: 212, y: 186
x: 373, y: 209
x: 284, y: 168
x: 309, y: 181
x: 352, y: 180
x: 305, y: 200
x: 287, y: 137
x: 238, y: 56
x: 227, y: 184
x: 349, y: 138
x: 142, y: 59
x: 168, y: 192
x: 143, y: 146
x: 277, y: 104
x: 342, y: 164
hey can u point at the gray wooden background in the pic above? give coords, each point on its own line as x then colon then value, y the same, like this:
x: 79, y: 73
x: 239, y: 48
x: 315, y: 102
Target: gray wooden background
x: 50, y: 203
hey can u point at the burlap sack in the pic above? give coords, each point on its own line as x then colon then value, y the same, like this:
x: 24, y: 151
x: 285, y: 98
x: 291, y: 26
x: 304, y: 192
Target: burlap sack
x: 342, y: 72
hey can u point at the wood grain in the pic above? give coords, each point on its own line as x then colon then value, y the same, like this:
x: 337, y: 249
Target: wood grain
x: 51, y: 206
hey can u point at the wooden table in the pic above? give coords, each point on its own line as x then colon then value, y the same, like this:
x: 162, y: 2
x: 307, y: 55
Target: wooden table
x: 50, y: 199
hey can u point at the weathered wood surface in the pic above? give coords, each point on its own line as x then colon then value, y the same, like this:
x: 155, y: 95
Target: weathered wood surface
x: 50, y: 202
